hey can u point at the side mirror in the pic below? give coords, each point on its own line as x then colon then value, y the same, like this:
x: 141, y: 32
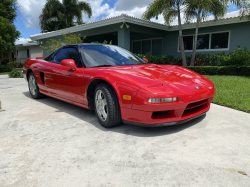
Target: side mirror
x: 145, y: 59
x: 70, y: 63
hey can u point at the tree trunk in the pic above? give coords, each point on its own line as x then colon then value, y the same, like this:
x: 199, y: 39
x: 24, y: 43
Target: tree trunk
x: 195, y: 39
x: 181, y: 44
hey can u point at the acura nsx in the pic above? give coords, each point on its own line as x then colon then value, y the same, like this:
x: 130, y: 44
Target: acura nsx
x: 119, y: 86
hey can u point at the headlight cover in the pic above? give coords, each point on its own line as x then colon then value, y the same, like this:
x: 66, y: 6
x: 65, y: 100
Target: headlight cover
x: 163, y: 100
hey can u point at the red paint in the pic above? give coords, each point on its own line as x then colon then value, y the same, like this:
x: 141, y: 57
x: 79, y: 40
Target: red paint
x: 141, y: 82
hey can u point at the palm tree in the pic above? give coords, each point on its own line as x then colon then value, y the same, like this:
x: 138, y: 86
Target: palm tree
x: 201, y: 9
x: 170, y: 9
x: 56, y: 15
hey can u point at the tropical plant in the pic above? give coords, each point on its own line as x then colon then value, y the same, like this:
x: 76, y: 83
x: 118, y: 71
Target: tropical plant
x: 68, y: 39
x: 201, y: 9
x: 56, y: 15
x: 170, y: 9
x: 243, y: 7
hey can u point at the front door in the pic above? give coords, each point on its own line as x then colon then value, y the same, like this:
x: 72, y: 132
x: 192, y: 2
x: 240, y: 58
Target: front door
x: 62, y: 81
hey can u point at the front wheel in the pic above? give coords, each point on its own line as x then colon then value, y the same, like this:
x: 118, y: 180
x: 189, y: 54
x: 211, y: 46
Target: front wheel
x: 107, y: 107
x: 34, y: 89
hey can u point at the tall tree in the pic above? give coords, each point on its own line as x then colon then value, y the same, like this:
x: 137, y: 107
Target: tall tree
x: 8, y: 9
x: 8, y: 32
x: 170, y: 9
x: 243, y: 7
x: 56, y: 15
x: 201, y: 9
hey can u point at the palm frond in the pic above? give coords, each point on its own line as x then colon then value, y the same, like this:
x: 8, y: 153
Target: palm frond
x: 86, y: 8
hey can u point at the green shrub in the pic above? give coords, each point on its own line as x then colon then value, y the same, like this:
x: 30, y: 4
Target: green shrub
x: 5, y: 68
x: 163, y: 59
x: 238, y: 57
x: 4, y: 61
x: 105, y: 42
x: 13, y: 64
x: 221, y: 70
x: 16, y: 73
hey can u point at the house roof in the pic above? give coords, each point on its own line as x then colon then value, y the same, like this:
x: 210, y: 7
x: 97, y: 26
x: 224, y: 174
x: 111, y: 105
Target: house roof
x: 109, y: 21
x: 129, y: 19
x: 27, y: 45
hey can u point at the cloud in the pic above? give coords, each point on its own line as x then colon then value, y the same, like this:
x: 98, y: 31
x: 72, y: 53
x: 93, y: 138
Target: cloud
x: 31, y: 10
x: 22, y: 41
x: 136, y: 12
x: 124, y: 5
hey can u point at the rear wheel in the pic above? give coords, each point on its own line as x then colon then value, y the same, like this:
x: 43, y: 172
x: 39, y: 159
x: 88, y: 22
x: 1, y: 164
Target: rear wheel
x: 107, y: 107
x: 34, y: 89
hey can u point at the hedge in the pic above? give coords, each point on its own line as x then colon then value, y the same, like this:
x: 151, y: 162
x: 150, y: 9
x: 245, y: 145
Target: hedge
x: 221, y: 70
x: 5, y: 68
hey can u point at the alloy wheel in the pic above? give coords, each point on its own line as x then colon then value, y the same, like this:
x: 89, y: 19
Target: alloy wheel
x: 101, y: 105
x: 32, y: 85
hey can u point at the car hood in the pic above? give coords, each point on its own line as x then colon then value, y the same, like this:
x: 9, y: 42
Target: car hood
x: 150, y: 75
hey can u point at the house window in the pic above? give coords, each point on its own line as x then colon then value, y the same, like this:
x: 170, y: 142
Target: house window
x: 148, y: 46
x: 212, y: 41
x: 188, y: 42
x: 203, y: 41
x: 137, y: 47
x: 156, y: 46
x: 219, y: 40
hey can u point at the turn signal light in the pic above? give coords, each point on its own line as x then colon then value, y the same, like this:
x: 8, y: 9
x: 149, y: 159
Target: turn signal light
x: 127, y: 97
x: 162, y: 100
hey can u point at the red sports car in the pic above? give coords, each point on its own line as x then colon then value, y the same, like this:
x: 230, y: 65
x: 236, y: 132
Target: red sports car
x: 119, y: 86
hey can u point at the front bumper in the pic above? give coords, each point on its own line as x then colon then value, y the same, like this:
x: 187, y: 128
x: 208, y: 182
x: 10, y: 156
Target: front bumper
x: 167, y: 114
x: 164, y: 124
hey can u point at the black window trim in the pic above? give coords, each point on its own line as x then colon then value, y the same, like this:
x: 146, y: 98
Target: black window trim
x: 210, y: 38
x: 64, y: 47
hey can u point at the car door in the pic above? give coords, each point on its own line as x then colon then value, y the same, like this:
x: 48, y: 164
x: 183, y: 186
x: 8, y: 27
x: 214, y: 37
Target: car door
x: 62, y: 81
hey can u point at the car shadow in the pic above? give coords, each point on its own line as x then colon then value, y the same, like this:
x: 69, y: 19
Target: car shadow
x: 90, y: 117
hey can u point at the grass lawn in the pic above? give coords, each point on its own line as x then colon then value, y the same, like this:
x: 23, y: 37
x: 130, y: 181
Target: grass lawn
x: 232, y: 91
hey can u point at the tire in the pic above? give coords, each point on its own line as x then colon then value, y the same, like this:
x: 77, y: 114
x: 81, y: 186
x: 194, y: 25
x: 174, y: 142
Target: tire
x: 107, y: 107
x: 33, y: 88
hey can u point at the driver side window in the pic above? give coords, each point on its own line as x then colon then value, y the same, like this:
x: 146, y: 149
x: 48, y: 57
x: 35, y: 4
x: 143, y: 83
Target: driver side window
x: 68, y: 53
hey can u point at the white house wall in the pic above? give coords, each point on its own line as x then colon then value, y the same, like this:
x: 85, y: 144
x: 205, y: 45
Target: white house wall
x: 36, y: 51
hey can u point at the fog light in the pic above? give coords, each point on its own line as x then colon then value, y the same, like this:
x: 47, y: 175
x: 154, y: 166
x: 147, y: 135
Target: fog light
x: 162, y: 100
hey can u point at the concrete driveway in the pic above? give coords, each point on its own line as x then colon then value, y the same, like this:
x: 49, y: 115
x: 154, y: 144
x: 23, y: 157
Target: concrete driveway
x: 48, y: 143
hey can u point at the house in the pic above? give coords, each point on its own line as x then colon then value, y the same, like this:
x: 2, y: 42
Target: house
x: 25, y: 51
x: 146, y: 37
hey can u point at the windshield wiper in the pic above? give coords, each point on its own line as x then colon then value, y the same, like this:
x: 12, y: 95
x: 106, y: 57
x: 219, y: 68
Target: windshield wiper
x: 106, y: 65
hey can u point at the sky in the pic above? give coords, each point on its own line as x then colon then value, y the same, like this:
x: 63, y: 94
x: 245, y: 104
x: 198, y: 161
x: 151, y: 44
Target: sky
x: 27, y: 21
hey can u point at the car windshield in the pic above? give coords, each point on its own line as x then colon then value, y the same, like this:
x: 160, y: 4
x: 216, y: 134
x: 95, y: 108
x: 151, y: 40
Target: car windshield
x: 108, y: 55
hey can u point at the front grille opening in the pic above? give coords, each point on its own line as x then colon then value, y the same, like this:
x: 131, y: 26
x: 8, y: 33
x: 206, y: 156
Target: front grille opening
x: 193, y: 110
x: 196, y: 104
x: 161, y: 114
